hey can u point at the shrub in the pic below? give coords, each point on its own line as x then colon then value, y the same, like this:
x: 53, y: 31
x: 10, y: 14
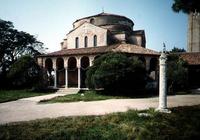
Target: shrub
x: 117, y: 74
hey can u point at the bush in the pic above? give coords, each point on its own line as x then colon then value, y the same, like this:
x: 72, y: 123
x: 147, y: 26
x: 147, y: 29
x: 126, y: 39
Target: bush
x: 117, y: 74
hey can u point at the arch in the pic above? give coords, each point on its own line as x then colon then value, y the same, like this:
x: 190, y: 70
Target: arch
x: 92, y: 20
x: 48, y: 64
x: 153, y: 68
x: 97, y: 56
x: 60, y: 71
x: 72, y: 63
x: 85, y: 62
x: 86, y: 42
x: 49, y: 68
x: 59, y: 63
x: 72, y: 72
x: 95, y: 40
x: 76, y: 42
x: 153, y: 64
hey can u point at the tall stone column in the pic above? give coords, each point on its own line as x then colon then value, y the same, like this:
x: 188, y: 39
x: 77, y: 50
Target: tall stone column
x: 79, y: 77
x: 163, y: 84
x: 55, y: 78
x: 66, y: 77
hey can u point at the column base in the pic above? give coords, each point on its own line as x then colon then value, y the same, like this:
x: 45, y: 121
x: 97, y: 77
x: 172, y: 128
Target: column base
x: 163, y: 110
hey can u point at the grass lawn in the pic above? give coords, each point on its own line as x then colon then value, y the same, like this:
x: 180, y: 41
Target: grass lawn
x: 86, y: 96
x: 11, y: 95
x: 182, y: 124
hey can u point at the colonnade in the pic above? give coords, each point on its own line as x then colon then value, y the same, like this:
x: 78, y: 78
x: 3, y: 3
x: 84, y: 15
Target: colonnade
x: 82, y: 62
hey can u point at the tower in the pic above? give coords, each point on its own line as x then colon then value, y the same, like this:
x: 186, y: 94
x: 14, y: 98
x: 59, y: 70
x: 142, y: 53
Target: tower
x: 193, y: 43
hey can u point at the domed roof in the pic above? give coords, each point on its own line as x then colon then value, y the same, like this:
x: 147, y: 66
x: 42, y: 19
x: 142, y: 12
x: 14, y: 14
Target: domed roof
x: 112, y: 22
x: 105, y: 14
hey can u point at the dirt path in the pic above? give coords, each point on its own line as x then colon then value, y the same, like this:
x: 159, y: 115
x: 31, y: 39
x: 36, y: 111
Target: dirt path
x: 24, y: 110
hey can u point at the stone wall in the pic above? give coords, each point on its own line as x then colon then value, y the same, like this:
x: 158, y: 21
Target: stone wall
x: 193, y: 33
x: 81, y: 32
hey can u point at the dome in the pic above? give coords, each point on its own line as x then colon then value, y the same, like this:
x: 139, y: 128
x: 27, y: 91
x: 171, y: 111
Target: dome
x: 112, y: 22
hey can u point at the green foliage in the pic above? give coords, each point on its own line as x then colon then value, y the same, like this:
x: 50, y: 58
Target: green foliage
x: 186, y: 6
x: 177, y: 73
x: 25, y: 73
x: 177, y: 50
x: 178, y: 125
x: 13, y: 45
x: 117, y: 74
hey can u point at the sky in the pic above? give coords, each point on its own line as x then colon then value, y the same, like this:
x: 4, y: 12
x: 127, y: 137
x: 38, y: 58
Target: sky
x: 51, y: 20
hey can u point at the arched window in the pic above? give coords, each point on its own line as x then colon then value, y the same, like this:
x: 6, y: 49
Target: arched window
x: 86, y: 41
x: 77, y: 42
x: 95, y: 40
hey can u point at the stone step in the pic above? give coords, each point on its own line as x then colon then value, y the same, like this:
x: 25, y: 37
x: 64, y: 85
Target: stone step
x: 67, y: 91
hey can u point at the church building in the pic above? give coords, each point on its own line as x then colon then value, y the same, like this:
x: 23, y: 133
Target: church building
x: 90, y: 38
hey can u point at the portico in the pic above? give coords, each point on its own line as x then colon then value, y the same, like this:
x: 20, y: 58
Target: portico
x: 69, y: 70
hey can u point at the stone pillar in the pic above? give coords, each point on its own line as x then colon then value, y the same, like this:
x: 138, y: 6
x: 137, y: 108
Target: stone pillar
x: 163, y: 84
x: 55, y: 78
x: 91, y: 61
x: 66, y: 77
x: 79, y: 71
x: 55, y: 73
x: 66, y: 71
x: 147, y: 63
x: 79, y: 77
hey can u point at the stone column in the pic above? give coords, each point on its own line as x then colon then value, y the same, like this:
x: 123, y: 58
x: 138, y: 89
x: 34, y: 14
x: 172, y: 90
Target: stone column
x: 79, y: 77
x: 55, y: 78
x: 163, y: 84
x: 66, y: 71
x: 66, y: 77
x: 147, y: 63
x: 79, y: 71
x: 91, y: 61
x: 55, y: 73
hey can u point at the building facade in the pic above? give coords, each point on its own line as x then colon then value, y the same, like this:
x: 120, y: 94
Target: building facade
x: 91, y: 37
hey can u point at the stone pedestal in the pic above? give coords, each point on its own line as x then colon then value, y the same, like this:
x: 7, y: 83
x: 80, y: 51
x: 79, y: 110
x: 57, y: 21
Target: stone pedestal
x: 163, y: 85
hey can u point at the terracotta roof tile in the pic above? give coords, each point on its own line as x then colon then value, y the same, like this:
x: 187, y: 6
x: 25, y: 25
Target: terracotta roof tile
x: 192, y: 58
x: 125, y: 48
x: 134, y: 49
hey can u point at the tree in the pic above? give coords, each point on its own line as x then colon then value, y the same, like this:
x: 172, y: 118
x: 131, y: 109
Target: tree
x: 13, y: 45
x: 177, y: 73
x: 177, y: 50
x: 117, y: 74
x: 26, y: 73
x: 186, y: 6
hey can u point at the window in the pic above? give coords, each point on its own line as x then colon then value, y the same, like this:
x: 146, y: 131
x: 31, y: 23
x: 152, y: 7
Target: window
x: 86, y: 41
x: 77, y: 42
x: 95, y: 40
